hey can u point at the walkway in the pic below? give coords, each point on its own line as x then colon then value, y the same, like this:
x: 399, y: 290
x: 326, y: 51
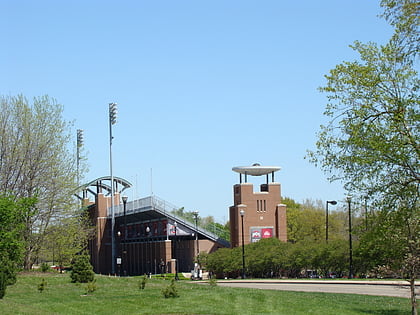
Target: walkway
x: 381, y: 288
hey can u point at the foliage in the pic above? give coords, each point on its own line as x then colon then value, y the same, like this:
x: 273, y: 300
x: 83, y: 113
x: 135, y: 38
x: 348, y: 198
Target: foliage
x: 142, y: 282
x: 12, y: 223
x: 213, y: 282
x: 208, y: 223
x: 91, y: 287
x: 42, y: 286
x: 170, y: 291
x: 306, y: 221
x: 45, y: 267
x: 36, y: 162
x: 371, y: 141
x: 270, y: 257
x: 82, y: 270
x: 66, y: 238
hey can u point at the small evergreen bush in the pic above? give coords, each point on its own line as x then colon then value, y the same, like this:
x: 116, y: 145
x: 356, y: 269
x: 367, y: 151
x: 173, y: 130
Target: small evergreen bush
x: 170, y: 291
x: 42, y: 286
x: 142, y: 282
x: 91, y: 287
x: 82, y: 270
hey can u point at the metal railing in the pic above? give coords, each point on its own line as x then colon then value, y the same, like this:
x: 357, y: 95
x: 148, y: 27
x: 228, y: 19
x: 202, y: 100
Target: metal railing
x: 166, y: 208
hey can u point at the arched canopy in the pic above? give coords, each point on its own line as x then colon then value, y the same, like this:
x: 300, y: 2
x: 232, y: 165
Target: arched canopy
x: 102, y: 183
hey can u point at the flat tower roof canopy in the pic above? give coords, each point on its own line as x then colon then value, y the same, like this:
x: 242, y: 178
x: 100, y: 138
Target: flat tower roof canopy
x: 255, y: 170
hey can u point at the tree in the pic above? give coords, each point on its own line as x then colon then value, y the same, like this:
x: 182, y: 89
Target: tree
x: 207, y: 223
x: 35, y: 161
x: 307, y: 221
x: 12, y: 218
x: 371, y: 142
x: 82, y: 270
x: 67, y: 238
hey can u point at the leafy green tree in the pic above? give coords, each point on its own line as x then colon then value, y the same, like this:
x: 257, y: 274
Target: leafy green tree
x: 12, y: 223
x: 371, y: 141
x: 264, y: 258
x: 208, y: 223
x: 66, y: 238
x: 36, y: 161
x: 331, y: 257
x: 307, y: 221
x: 225, y: 262
x: 82, y: 270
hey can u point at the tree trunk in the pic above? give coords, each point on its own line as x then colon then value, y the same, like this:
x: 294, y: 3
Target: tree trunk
x: 413, y: 296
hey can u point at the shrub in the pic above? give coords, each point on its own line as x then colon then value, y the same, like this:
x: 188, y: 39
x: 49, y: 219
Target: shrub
x: 212, y: 282
x: 170, y: 291
x: 42, y: 286
x: 82, y: 270
x: 142, y: 282
x: 91, y: 286
x: 45, y: 267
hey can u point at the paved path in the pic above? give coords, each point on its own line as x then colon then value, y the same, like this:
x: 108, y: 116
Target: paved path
x: 384, y: 288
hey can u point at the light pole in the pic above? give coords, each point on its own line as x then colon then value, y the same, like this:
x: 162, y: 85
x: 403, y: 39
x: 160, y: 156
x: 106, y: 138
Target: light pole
x: 176, y: 259
x: 79, y: 145
x: 195, y: 213
x: 348, y: 198
x: 333, y: 202
x: 242, y: 213
x: 112, y: 121
x: 119, y: 256
x: 147, y: 250
x: 124, y: 199
x: 366, y: 212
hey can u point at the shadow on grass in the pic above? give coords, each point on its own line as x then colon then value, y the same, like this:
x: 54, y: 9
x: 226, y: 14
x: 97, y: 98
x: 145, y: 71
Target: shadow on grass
x: 381, y: 312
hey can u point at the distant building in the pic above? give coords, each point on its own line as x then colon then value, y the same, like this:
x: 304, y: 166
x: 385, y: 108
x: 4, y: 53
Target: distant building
x: 148, y: 237
x: 263, y: 214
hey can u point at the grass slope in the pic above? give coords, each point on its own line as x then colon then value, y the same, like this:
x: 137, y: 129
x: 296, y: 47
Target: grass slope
x: 123, y: 296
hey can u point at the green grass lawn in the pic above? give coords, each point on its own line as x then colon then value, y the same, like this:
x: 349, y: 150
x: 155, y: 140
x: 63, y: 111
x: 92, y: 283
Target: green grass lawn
x: 123, y: 296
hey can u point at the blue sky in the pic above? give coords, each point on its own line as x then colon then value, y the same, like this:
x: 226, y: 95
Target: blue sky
x: 201, y: 86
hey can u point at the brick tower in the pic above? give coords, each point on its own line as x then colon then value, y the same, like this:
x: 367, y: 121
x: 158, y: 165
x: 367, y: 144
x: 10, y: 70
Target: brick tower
x: 261, y: 213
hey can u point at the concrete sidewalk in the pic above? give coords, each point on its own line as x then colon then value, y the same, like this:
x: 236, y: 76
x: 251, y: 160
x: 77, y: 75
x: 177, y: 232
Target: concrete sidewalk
x: 393, y: 288
x: 320, y: 281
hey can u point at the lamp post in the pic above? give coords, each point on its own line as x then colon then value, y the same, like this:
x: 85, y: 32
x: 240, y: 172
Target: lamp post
x: 366, y: 212
x: 147, y: 250
x: 176, y: 259
x: 79, y: 145
x: 195, y: 213
x: 333, y: 202
x: 124, y: 199
x: 242, y: 213
x: 348, y: 198
x: 112, y: 121
x: 119, y: 256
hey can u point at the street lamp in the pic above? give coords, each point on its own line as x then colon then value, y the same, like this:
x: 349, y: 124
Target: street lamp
x: 242, y: 213
x: 195, y: 213
x: 119, y: 256
x: 112, y: 121
x: 147, y: 250
x: 176, y: 260
x: 124, y: 199
x: 333, y: 202
x: 348, y: 198
x: 366, y: 212
x: 78, y: 146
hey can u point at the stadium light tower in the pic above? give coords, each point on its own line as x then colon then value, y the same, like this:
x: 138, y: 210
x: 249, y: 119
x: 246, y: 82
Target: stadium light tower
x: 79, y: 145
x: 112, y: 121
